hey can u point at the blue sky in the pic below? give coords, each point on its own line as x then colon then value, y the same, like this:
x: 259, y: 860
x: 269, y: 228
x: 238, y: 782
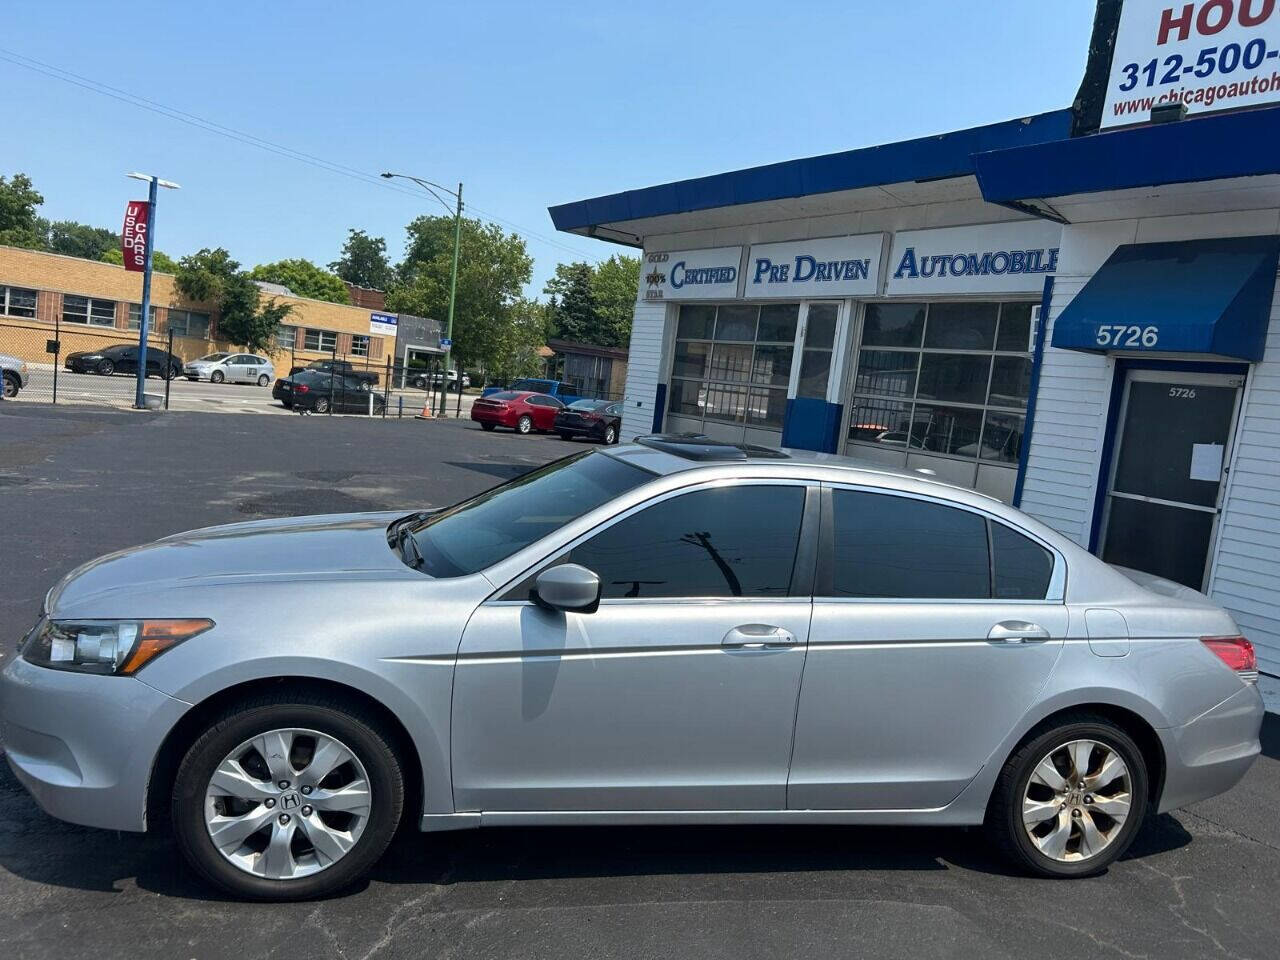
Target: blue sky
x: 530, y: 104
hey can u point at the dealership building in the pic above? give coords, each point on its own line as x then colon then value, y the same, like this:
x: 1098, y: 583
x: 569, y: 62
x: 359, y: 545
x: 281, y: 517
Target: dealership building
x: 1068, y: 313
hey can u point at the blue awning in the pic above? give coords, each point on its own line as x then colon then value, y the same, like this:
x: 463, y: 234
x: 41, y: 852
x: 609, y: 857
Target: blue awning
x: 1209, y: 297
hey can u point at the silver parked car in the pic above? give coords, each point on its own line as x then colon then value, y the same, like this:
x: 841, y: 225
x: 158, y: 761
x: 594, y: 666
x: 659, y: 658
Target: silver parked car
x: 231, y: 368
x: 14, y: 375
x: 672, y: 631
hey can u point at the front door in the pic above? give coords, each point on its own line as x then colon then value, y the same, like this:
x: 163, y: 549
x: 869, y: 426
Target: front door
x: 1173, y: 446
x: 678, y: 693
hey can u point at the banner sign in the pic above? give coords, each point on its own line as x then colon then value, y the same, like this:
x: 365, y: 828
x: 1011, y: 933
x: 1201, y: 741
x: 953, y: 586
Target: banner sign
x: 992, y: 258
x: 691, y: 274
x: 1210, y: 55
x: 383, y: 324
x: 831, y: 267
x: 135, y: 235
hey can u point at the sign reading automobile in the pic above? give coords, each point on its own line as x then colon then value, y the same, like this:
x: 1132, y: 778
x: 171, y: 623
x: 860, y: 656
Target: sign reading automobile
x: 691, y: 274
x: 1210, y: 55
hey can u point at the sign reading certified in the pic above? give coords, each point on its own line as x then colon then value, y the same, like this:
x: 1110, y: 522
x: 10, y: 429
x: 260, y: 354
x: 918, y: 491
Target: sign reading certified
x: 992, y: 258
x: 691, y: 274
x: 832, y: 267
x: 1210, y: 55
x: 383, y: 323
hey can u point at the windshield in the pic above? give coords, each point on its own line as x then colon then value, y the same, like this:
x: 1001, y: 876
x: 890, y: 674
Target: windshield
x: 533, y: 386
x: 479, y: 532
x: 585, y: 405
x: 214, y: 357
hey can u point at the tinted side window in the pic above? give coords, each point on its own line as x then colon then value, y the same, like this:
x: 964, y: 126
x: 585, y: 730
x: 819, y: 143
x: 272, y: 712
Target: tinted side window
x: 727, y: 542
x: 896, y: 547
x: 1023, y: 568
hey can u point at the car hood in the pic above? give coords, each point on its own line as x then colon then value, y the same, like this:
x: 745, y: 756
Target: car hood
x: 338, y: 547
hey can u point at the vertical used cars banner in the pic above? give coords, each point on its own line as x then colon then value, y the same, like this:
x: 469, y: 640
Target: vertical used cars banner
x: 134, y: 236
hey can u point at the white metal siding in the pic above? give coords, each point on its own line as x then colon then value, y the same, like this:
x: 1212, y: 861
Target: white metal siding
x: 644, y: 368
x: 1069, y: 430
x: 1246, y: 572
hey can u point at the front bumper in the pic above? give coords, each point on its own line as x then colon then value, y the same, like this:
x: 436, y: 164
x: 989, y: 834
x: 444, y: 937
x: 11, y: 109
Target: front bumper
x: 84, y: 744
x: 1211, y: 754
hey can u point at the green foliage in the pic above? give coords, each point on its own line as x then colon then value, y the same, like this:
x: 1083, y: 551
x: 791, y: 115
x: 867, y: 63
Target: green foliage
x: 304, y: 278
x: 514, y: 351
x: 161, y: 262
x: 211, y: 276
x: 594, y: 304
x: 19, y: 224
x: 493, y: 268
x: 81, y: 240
x: 364, y: 262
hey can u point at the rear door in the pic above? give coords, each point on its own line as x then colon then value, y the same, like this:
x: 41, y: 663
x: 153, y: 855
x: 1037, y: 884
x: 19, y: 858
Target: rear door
x: 934, y: 628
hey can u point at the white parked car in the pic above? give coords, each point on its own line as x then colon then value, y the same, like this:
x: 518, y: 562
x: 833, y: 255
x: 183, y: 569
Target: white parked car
x: 13, y: 375
x: 231, y: 368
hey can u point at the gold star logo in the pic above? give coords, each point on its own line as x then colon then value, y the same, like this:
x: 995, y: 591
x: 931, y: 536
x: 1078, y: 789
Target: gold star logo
x: 656, y: 279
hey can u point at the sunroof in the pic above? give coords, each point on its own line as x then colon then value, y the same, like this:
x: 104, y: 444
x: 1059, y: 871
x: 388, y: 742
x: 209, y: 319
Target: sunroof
x: 698, y: 446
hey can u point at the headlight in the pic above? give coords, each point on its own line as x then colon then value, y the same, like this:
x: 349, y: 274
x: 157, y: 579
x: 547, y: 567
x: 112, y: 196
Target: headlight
x: 105, y: 646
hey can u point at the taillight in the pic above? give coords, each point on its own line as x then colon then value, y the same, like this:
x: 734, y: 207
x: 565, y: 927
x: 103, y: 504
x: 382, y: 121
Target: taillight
x: 301, y: 388
x: 1237, y: 653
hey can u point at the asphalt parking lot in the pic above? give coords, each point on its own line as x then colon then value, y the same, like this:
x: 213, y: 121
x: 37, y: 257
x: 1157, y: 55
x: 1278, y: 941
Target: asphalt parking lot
x: 76, y: 482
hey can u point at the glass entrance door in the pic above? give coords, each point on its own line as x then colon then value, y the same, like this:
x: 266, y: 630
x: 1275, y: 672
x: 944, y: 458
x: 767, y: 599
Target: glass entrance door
x: 1173, y: 447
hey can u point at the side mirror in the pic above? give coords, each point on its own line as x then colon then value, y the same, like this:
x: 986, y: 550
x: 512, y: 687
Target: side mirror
x: 567, y: 588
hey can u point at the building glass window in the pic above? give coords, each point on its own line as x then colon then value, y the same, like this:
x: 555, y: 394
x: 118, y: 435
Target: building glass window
x: 135, y: 316
x: 287, y: 337
x: 185, y: 323
x: 359, y: 345
x: 325, y: 340
x: 87, y: 310
x: 944, y: 378
x: 17, y: 302
x: 733, y: 362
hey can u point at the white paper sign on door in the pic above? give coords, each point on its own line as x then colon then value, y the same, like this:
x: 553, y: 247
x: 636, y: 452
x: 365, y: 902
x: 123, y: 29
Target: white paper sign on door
x: 1206, y: 462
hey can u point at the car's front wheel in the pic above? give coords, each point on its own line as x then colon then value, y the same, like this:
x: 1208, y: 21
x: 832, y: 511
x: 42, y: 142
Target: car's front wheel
x: 288, y: 797
x: 217, y: 376
x: 106, y: 368
x: 10, y: 385
x: 1070, y: 801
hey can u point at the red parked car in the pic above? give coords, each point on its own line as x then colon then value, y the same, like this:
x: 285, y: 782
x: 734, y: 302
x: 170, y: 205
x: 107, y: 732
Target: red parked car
x: 523, y: 411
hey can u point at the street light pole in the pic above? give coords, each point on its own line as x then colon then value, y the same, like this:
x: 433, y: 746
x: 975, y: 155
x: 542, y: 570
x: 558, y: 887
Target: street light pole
x: 427, y: 185
x: 144, y: 321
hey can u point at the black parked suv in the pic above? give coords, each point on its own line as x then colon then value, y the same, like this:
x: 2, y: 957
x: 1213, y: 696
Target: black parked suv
x: 123, y: 358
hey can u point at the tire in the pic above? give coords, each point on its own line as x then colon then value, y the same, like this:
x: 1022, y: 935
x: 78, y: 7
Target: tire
x: 217, y: 376
x: 610, y: 435
x: 9, y: 386
x: 488, y: 426
x: 321, y: 405
x: 566, y: 436
x: 287, y: 404
x: 106, y: 368
x: 525, y: 424
x: 420, y: 383
x: 305, y: 718
x: 1079, y: 811
x: 263, y: 380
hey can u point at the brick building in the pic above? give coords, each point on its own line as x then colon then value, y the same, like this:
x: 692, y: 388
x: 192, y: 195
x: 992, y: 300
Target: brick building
x: 94, y: 305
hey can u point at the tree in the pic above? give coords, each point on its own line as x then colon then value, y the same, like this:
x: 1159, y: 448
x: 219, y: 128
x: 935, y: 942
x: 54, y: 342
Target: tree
x: 81, y: 240
x: 161, y: 262
x: 515, y: 346
x: 304, y: 278
x: 364, y: 262
x: 493, y: 268
x: 19, y: 224
x: 594, y: 304
x: 211, y: 276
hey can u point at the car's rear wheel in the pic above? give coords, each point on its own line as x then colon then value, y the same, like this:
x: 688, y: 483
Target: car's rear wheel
x: 524, y: 424
x: 9, y: 385
x: 263, y: 380
x: 322, y: 405
x: 106, y: 368
x: 287, y: 797
x: 611, y: 434
x: 566, y: 436
x: 217, y: 376
x: 488, y: 426
x: 1070, y: 801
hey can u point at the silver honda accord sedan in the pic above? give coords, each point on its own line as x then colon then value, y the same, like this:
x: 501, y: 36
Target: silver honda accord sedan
x: 672, y: 631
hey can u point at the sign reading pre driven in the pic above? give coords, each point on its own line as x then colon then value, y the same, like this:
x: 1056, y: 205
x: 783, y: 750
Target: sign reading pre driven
x: 691, y: 274
x: 830, y: 267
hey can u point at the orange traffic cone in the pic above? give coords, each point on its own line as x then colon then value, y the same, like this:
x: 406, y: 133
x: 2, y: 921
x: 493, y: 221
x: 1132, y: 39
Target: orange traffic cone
x: 426, y: 409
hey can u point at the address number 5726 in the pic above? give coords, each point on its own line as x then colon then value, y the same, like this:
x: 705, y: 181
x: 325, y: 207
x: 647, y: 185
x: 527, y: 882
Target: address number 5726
x: 1119, y: 336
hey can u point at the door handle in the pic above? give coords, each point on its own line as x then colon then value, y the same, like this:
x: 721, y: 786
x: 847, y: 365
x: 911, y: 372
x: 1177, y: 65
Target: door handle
x: 1018, y: 631
x: 758, y: 636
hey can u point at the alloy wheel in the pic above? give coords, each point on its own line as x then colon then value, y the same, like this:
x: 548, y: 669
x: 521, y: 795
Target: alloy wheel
x: 106, y: 368
x: 1077, y: 800
x: 287, y: 803
x: 9, y: 386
